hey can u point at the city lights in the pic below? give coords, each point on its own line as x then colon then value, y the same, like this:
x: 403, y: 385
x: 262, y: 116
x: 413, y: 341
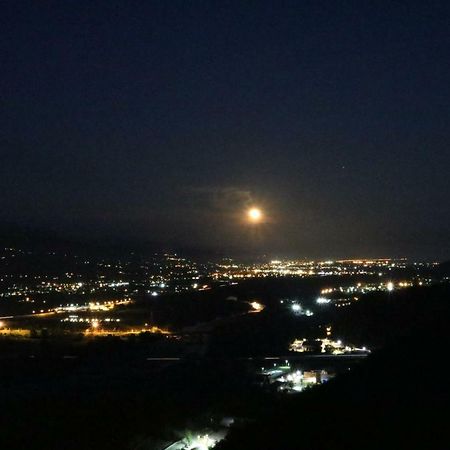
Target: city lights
x: 224, y: 225
x: 257, y: 307
x: 327, y: 346
x: 204, y: 442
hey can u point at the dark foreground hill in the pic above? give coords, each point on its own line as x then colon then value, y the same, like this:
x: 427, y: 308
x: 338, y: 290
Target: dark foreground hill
x: 111, y: 396
x: 397, y: 399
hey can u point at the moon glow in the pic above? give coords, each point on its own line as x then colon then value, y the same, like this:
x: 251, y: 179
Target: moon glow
x: 254, y: 215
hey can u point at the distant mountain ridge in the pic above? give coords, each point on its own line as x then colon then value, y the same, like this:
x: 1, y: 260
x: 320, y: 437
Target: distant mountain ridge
x: 38, y: 239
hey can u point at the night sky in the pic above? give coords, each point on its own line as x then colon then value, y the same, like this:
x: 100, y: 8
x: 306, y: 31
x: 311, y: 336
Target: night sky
x: 164, y: 120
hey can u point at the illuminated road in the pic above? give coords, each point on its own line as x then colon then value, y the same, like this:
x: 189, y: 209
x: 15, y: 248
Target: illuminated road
x: 179, y: 445
x: 311, y: 355
x: 30, y: 316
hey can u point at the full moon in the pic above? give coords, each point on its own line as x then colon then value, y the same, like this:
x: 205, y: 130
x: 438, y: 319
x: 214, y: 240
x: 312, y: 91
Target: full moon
x: 254, y: 215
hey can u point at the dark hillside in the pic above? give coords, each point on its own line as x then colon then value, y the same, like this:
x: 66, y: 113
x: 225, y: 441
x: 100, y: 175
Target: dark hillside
x: 397, y: 399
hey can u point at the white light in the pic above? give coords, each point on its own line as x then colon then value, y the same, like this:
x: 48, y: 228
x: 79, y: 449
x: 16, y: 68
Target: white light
x: 202, y: 443
x: 154, y: 294
x: 254, y: 214
x: 296, y: 307
x: 322, y: 300
x: 257, y: 306
x: 390, y: 286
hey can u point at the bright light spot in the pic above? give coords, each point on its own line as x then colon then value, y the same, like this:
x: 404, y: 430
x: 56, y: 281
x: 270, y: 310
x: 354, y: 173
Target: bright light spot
x: 257, y: 307
x: 2, y: 324
x: 296, y: 307
x: 390, y: 286
x: 154, y: 294
x: 322, y: 300
x: 254, y: 215
x: 95, y: 324
x: 202, y: 443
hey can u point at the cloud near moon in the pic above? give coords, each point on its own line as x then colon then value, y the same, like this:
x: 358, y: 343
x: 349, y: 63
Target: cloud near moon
x: 225, y: 199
